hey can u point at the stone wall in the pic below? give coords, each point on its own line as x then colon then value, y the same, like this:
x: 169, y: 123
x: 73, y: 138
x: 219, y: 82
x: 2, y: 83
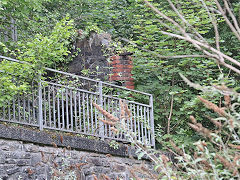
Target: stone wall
x: 19, y: 160
x: 27, y: 153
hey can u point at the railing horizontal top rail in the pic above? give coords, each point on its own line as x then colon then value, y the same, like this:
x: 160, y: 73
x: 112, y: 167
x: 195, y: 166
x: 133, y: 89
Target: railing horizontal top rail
x: 68, y: 87
x: 127, y: 101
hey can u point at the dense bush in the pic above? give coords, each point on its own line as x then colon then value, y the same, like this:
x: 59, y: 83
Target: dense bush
x: 216, y: 155
x: 41, y: 51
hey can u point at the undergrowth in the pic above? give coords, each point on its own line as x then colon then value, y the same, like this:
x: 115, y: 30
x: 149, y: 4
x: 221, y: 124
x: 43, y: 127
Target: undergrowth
x: 215, y: 156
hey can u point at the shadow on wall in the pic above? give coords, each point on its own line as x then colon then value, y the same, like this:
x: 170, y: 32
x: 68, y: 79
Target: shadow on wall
x: 92, y: 60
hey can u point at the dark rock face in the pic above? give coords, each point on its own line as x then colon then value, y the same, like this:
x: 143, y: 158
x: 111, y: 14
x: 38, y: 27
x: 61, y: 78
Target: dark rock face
x: 93, y: 58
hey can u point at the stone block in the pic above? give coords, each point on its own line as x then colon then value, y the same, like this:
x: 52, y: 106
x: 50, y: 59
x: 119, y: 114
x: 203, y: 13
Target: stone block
x: 15, y: 154
x: 2, y: 160
x: 36, y: 159
x: 5, y: 148
x: 4, y: 176
x: 23, y: 162
x: 90, y: 177
x: 31, y: 148
x: 10, y: 161
x: 12, y: 170
x: 2, y: 171
x: 118, y: 168
x: 18, y: 176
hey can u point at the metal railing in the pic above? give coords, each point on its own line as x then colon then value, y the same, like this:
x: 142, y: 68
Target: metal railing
x: 62, y: 101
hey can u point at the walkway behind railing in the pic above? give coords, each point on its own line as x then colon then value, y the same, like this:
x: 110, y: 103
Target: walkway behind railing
x: 64, y: 103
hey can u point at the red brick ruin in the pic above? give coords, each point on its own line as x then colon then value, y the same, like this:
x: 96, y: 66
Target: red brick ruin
x: 121, y: 70
x: 91, y: 57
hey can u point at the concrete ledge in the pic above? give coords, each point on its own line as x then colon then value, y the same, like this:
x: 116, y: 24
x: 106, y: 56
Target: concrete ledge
x: 61, y: 140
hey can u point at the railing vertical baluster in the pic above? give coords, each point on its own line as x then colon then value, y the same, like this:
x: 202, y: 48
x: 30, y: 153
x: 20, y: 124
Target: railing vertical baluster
x: 112, y: 110
x: 14, y: 109
x: 131, y: 117
x: 9, y: 111
x: 96, y: 118
x: 24, y: 108
x: 19, y: 113
x: 75, y: 109
x: 138, y: 123
x: 63, y: 120
x: 33, y: 107
x: 49, y: 106
x: 135, y: 120
x: 4, y: 111
x: 152, y: 120
x: 105, y: 125
x: 109, y: 110
x: 54, y: 107
x: 128, y: 119
x: 149, y: 125
x: 44, y: 106
x: 80, y: 112
x: 117, y: 114
x: 71, y: 109
x: 101, y: 127
x: 91, y: 108
x: 83, y: 109
x: 67, y: 118
x: 141, y: 118
x: 88, y: 117
x: 145, y: 125
x: 40, y: 115
x: 29, y: 110
x: 58, y: 109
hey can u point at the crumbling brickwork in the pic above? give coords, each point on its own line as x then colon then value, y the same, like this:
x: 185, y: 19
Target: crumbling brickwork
x: 121, y: 70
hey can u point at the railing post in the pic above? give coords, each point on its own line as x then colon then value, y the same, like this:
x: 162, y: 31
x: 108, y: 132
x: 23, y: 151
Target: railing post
x: 101, y: 125
x: 40, y: 114
x: 152, y: 120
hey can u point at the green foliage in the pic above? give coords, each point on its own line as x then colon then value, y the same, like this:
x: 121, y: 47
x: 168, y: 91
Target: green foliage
x: 216, y: 152
x: 113, y: 16
x: 52, y: 50
x: 160, y: 76
x: 114, y: 144
x: 26, y: 13
x: 41, y: 51
x: 9, y: 74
